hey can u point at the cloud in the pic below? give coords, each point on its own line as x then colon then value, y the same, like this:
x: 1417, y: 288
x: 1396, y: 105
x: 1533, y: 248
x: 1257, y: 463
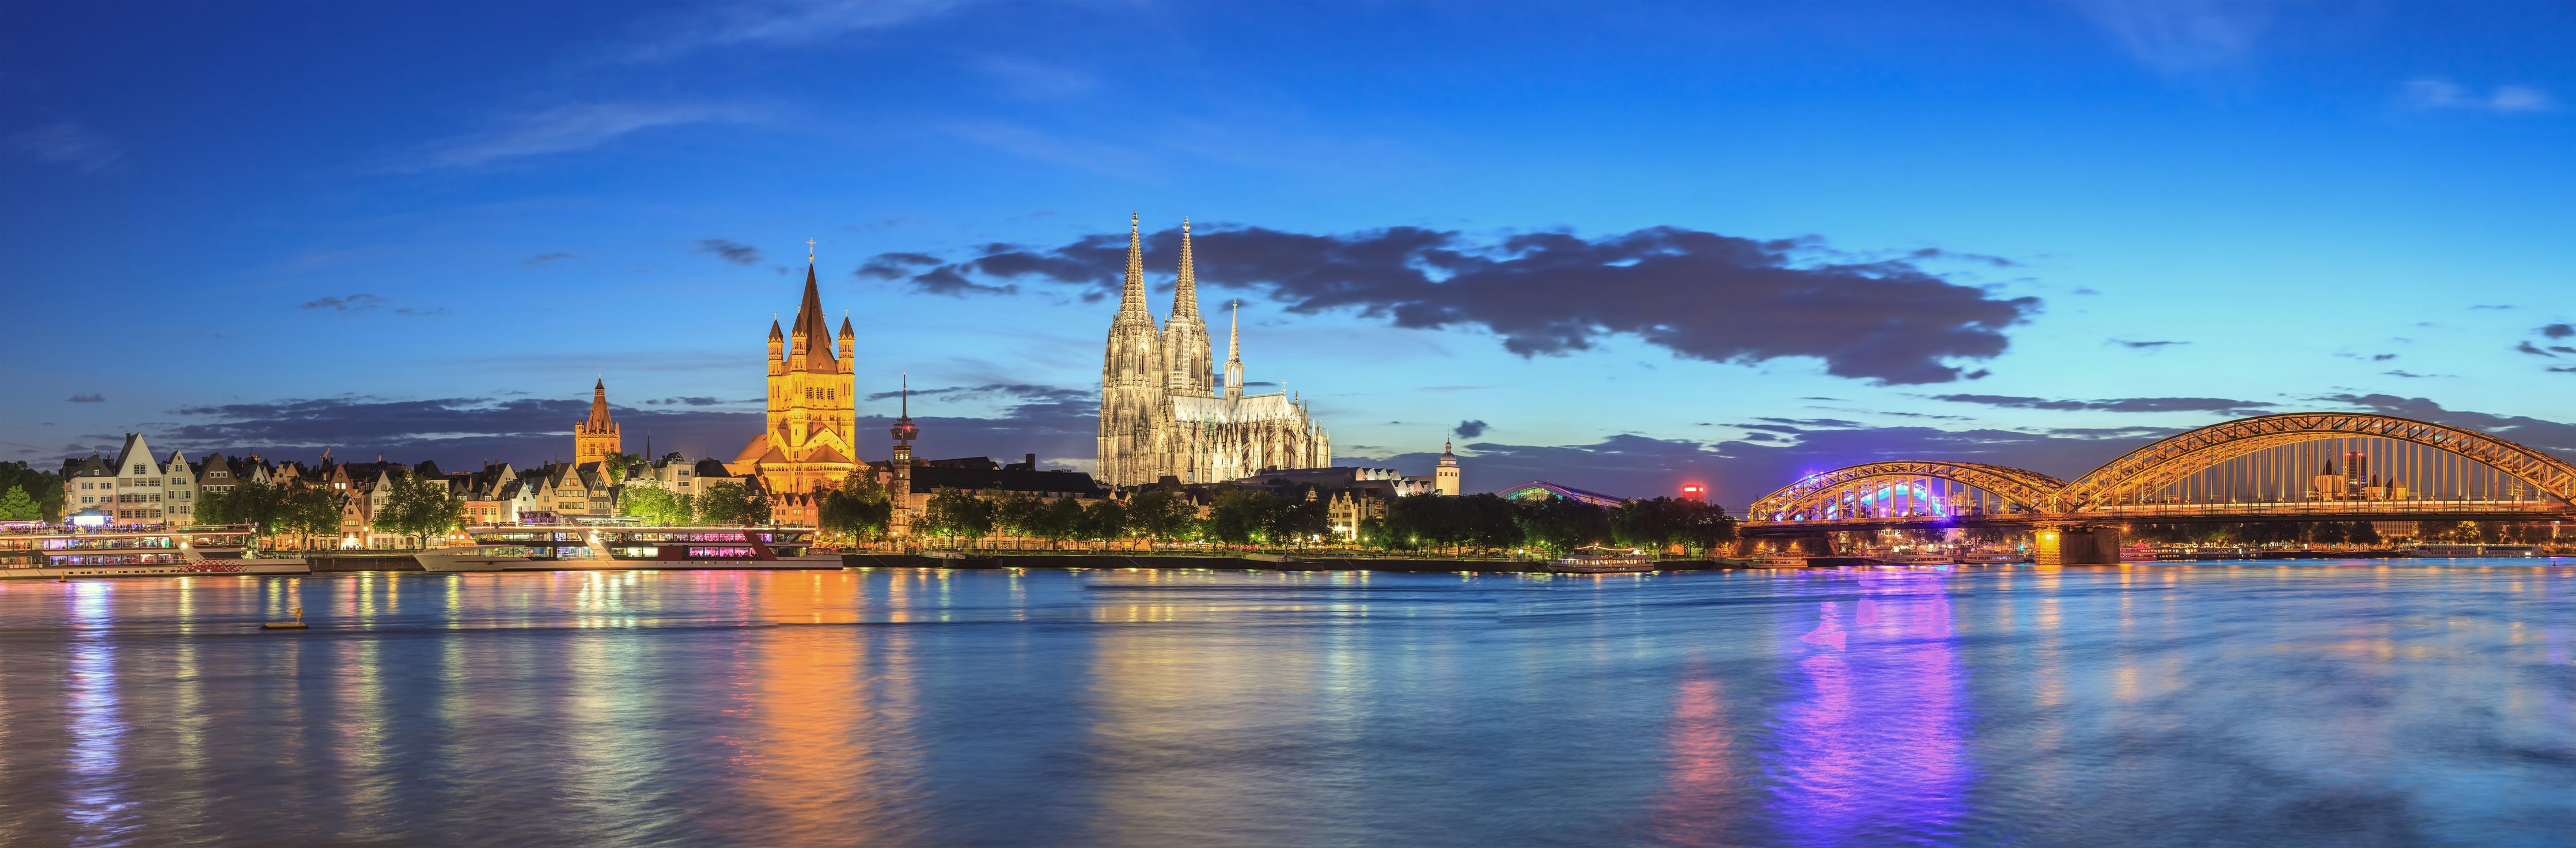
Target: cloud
x: 2181, y: 36
x: 91, y: 397
x: 66, y: 143
x: 2143, y: 345
x: 1696, y: 294
x: 352, y: 303
x: 2492, y: 306
x: 790, y: 24
x: 895, y: 266
x: 567, y: 129
x: 2383, y: 357
x: 1469, y: 429
x: 1029, y: 79
x: 2527, y: 347
x: 693, y: 400
x: 730, y: 251
x: 1027, y: 392
x: 2431, y: 94
x: 544, y: 258
x: 2399, y: 372
x: 2135, y: 404
x: 2533, y: 432
x: 2558, y: 331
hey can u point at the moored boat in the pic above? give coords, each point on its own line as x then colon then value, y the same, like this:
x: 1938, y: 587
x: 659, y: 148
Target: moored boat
x: 623, y: 548
x: 45, y: 553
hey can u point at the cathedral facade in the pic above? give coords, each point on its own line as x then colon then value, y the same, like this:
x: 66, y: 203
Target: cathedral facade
x: 1162, y: 411
x: 813, y: 412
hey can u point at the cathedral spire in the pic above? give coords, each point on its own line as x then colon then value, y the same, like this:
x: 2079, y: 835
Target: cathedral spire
x: 1132, y: 297
x: 1185, y: 290
x: 1234, y: 352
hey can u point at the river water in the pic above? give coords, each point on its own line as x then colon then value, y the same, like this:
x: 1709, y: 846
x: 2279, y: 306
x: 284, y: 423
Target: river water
x: 2253, y: 704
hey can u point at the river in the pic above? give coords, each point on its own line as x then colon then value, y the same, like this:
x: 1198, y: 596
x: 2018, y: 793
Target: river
x: 2208, y: 704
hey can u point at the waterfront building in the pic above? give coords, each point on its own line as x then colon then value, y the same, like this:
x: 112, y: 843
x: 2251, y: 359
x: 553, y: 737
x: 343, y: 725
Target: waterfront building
x: 1444, y: 479
x: 812, y: 422
x: 89, y: 483
x: 1162, y: 413
x: 142, y: 485
x: 596, y: 437
x: 179, y: 498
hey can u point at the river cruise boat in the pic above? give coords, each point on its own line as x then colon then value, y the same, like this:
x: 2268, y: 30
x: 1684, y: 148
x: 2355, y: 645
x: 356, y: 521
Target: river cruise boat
x: 47, y: 553
x: 1599, y: 560
x: 1993, y: 556
x: 2462, y: 550
x: 622, y: 548
x: 1917, y: 558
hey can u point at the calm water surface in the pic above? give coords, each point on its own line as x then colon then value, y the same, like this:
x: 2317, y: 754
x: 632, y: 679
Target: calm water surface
x: 2340, y: 704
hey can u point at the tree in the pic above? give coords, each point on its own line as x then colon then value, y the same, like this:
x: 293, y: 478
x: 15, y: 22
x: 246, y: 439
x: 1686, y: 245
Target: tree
x: 1562, y: 524
x: 43, y: 487
x: 1063, y: 521
x: 1018, y: 513
x: 1161, y: 514
x: 613, y: 465
x: 420, y: 507
x: 733, y: 504
x: 1240, y: 515
x: 1298, y: 517
x: 656, y: 505
x: 953, y: 513
x: 858, y: 509
x: 1106, y: 520
x: 15, y: 505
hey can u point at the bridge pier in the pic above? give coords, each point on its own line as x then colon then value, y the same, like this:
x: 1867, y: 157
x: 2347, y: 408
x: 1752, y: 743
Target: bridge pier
x: 2054, y: 545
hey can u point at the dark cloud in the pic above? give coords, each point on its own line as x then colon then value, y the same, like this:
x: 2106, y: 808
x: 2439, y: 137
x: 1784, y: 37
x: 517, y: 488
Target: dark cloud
x: 2400, y: 372
x: 2139, y: 404
x: 1019, y: 391
x: 352, y: 303
x: 1469, y: 429
x: 947, y: 280
x: 544, y: 258
x: 730, y: 251
x: 2491, y: 306
x: 694, y: 400
x: 1699, y: 295
x: 2534, y: 432
x: 2144, y: 345
x: 2558, y: 331
x: 895, y: 266
x: 2527, y: 347
x: 2383, y: 357
x: 87, y: 397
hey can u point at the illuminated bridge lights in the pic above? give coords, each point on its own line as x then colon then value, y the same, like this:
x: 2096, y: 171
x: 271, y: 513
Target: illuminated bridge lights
x: 2288, y: 465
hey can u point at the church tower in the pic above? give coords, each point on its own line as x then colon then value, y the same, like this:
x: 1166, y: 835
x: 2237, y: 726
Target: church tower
x: 1185, y: 335
x: 1132, y: 379
x: 812, y: 420
x: 1444, y: 479
x: 596, y: 436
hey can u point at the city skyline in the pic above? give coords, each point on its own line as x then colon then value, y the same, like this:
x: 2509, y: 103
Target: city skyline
x: 1609, y: 255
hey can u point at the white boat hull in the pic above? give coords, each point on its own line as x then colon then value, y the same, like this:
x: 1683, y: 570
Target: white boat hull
x: 209, y: 568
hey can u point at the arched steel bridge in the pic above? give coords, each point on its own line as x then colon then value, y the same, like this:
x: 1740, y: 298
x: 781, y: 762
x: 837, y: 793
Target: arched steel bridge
x: 2247, y: 469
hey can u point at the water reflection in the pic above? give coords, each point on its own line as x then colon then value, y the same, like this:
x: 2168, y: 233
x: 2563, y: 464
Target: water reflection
x: 2223, y: 704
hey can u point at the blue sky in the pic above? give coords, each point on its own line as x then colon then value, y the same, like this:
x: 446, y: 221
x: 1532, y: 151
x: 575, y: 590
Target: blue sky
x: 1787, y: 237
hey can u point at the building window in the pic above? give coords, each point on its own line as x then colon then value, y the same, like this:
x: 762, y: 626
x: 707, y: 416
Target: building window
x: 138, y: 468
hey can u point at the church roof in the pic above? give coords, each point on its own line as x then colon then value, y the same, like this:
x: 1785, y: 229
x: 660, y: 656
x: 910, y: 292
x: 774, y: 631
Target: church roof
x: 809, y: 324
x: 598, y: 420
x: 1224, y: 410
x: 932, y: 478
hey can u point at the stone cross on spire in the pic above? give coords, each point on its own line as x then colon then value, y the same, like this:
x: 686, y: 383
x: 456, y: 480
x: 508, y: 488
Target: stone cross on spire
x: 809, y: 251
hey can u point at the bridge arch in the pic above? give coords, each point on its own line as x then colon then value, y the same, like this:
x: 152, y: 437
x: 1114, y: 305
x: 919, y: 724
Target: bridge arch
x: 2032, y: 490
x: 2156, y: 465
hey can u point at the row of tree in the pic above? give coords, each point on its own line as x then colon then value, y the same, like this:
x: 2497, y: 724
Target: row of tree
x: 1300, y: 516
x: 27, y: 494
x: 724, y: 503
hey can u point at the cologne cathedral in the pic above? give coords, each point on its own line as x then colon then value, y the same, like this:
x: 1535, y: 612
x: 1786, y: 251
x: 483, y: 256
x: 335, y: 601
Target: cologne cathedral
x: 1161, y: 413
